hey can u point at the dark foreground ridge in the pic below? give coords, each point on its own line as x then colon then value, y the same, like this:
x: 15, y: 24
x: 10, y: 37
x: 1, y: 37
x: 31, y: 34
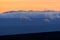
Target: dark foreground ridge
x: 34, y: 36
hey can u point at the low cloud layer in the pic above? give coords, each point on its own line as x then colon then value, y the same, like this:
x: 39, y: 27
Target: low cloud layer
x: 46, y: 16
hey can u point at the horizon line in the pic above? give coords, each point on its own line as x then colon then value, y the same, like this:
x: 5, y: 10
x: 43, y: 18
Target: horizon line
x: 31, y: 11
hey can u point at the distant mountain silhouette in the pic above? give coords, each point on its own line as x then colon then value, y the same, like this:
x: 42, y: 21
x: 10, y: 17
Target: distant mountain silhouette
x: 48, y: 11
x: 29, y: 11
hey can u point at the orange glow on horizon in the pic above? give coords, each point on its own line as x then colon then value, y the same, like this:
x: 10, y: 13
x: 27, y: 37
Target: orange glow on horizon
x: 6, y: 5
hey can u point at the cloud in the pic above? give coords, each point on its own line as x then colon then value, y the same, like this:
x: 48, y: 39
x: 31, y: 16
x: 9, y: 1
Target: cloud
x: 46, y: 20
x: 46, y: 16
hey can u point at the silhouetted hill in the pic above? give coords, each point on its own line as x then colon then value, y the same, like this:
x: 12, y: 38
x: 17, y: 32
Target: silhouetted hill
x: 33, y: 36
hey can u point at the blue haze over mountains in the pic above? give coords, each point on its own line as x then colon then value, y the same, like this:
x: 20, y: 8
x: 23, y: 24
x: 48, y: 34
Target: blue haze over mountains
x: 21, y: 22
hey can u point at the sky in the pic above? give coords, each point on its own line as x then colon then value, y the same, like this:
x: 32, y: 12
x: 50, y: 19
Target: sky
x: 6, y: 5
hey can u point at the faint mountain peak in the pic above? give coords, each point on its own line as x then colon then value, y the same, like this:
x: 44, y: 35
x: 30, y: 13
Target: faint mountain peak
x: 48, y: 11
x: 21, y: 11
x: 10, y: 11
x: 16, y: 11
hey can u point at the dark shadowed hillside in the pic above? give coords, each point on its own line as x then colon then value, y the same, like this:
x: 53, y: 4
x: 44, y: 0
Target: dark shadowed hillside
x: 33, y: 36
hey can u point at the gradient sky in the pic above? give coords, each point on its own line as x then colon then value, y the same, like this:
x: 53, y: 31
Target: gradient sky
x: 6, y: 5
